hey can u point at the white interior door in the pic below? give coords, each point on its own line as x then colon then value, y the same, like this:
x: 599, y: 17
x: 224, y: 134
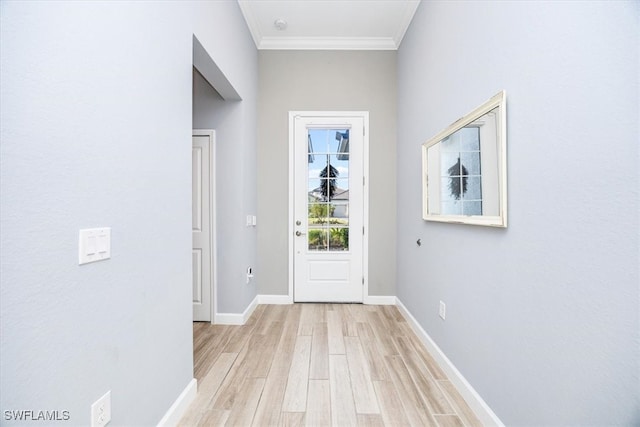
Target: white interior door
x: 202, y: 224
x: 328, y: 218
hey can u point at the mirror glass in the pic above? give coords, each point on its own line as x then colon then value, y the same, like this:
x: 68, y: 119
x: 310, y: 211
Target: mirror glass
x: 464, y: 168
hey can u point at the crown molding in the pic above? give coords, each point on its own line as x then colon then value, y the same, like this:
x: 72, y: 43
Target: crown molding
x: 327, y: 43
x: 251, y: 21
x: 391, y: 42
x: 409, y: 10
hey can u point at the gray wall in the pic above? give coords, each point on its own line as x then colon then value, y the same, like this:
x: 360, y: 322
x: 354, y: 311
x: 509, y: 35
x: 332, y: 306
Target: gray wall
x: 325, y: 80
x: 96, y: 131
x: 235, y: 170
x: 542, y: 318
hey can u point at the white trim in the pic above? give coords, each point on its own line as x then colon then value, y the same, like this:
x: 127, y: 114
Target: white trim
x: 251, y: 20
x: 327, y: 43
x: 365, y: 207
x: 275, y: 299
x: 380, y: 300
x: 409, y: 10
x: 229, y: 319
x: 291, y: 207
x: 473, y: 399
x: 365, y: 173
x: 180, y: 406
x: 211, y: 133
x: 236, y: 318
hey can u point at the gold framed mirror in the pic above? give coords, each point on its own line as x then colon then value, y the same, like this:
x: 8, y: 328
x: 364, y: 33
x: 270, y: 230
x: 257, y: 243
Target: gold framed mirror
x: 464, y: 168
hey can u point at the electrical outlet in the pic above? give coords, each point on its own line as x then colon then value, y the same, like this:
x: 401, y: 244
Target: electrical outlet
x: 101, y: 411
x: 442, y: 311
x: 249, y: 274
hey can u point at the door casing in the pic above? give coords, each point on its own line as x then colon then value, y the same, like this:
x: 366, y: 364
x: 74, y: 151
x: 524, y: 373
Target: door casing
x: 365, y: 209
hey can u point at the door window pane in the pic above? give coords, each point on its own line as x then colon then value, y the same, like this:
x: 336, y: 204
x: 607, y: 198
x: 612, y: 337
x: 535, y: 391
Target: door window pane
x: 328, y: 190
x: 319, y: 163
x: 461, y: 173
x: 339, y: 239
x: 472, y: 208
x: 340, y: 165
x: 474, y: 189
x: 318, y: 239
x: 471, y: 162
x: 339, y: 213
x: 319, y: 213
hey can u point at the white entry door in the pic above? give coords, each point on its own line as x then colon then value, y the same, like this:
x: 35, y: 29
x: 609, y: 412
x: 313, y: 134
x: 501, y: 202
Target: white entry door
x: 202, y: 224
x: 329, y: 200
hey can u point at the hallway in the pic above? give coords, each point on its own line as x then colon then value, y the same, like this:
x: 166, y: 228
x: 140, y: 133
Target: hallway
x: 320, y: 364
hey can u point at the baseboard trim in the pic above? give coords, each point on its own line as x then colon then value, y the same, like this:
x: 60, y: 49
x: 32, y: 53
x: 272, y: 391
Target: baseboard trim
x: 180, y: 406
x: 286, y: 299
x: 237, y: 318
x: 275, y: 299
x: 473, y: 399
x: 380, y: 300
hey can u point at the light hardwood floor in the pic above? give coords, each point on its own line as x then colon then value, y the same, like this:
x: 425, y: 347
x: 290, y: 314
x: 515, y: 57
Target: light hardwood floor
x: 320, y: 365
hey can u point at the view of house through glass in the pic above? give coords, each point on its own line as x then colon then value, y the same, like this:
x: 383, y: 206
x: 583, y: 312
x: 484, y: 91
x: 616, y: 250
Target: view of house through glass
x: 460, y: 173
x: 328, y: 189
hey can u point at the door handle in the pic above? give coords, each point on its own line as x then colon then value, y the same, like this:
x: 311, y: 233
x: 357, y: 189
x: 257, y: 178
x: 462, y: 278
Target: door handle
x: 299, y: 233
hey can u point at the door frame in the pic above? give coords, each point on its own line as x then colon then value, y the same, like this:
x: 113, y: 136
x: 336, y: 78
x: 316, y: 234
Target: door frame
x: 365, y: 196
x: 211, y: 133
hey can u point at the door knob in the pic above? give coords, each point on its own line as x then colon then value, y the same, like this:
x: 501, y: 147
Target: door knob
x: 299, y: 233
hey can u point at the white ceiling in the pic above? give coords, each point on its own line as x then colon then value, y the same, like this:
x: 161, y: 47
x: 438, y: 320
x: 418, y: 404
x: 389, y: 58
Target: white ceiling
x: 329, y: 24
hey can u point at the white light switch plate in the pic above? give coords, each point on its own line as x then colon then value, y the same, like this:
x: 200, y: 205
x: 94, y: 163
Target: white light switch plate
x: 101, y: 411
x: 94, y: 244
